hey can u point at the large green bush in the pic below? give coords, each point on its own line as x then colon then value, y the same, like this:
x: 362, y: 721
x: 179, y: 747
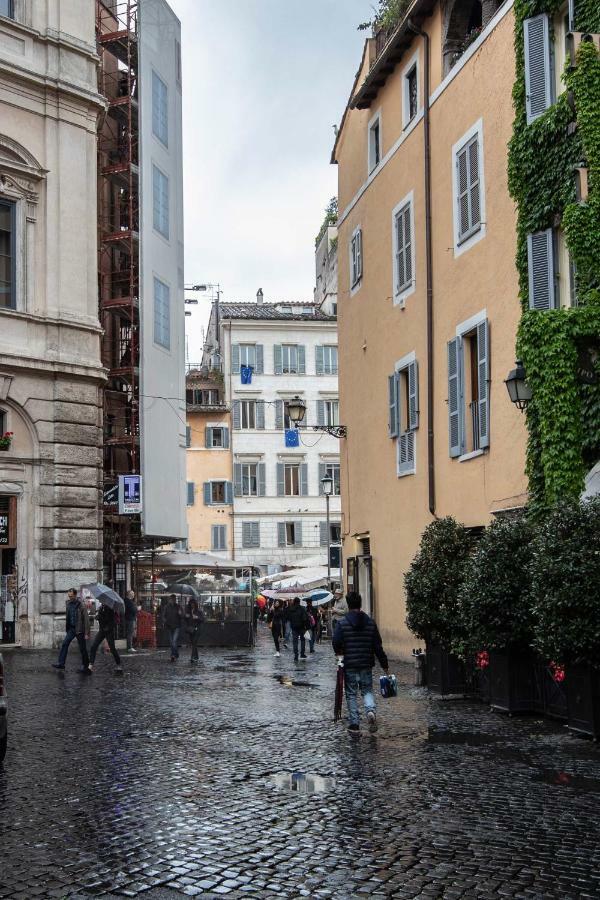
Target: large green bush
x: 566, y: 584
x: 494, y: 601
x: 434, y: 579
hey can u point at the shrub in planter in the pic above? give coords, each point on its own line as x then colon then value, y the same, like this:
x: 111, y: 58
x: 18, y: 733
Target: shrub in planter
x: 433, y: 583
x: 566, y: 597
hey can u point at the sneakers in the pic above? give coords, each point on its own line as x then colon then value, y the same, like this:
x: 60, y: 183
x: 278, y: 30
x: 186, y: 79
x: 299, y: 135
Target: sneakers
x: 57, y: 666
x: 277, y: 653
x: 354, y: 729
x: 285, y: 646
x: 132, y: 650
x: 372, y: 720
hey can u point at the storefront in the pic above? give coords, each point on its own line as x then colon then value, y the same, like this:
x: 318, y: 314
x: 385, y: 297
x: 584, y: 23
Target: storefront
x: 8, y: 568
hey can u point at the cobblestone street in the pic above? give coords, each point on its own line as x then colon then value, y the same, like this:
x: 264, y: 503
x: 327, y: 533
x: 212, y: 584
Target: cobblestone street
x: 161, y: 783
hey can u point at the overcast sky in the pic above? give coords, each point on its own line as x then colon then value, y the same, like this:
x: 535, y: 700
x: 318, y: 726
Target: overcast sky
x: 264, y: 83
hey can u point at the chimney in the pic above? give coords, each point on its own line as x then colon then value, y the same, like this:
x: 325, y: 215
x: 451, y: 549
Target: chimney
x: 259, y: 297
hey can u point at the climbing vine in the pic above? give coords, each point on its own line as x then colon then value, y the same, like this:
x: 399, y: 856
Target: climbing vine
x: 563, y: 416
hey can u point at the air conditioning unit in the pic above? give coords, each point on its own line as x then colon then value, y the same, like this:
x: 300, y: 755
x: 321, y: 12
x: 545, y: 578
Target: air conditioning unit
x: 575, y: 38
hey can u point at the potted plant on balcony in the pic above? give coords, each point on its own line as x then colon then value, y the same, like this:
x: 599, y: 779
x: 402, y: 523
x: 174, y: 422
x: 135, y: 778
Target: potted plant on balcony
x: 6, y: 440
x: 433, y: 583
x: 566, y: 597
x: 497, y: 619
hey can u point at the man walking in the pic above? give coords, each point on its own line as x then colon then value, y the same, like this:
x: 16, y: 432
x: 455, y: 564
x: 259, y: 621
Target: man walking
x: 298, y: 619
x: 172, y: 622
x: 77, y: 626
x: 107, y: 627
x: 131, y: 612
x: 357, y: 639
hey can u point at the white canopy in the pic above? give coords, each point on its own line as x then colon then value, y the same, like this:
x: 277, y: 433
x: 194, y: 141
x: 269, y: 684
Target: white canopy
x: 303, y: 579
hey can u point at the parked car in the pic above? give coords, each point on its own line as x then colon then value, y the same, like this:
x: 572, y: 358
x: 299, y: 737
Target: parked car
x: 3, y: 713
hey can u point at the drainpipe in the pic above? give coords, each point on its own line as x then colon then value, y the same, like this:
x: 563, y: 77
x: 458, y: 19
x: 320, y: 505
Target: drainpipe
x: 416, y: 29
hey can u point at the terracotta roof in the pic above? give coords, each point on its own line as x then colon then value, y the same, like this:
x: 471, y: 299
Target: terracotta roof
x: 272, y: 311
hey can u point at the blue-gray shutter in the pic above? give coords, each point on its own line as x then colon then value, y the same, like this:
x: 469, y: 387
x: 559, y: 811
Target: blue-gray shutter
x: 323, y: 534
x: 280, y: 480
x: 247, y: 534
x: 255, y: 530
x: 393, y: 394
x: 483, y: 382
x: 237, y: 419
x: 538, y: 66
x: 188, y: 436
x: 281, y: 534
x: 213, y: 536
x: 277, y: 360
x: 406, y: 452
x: 304, y: 480
x: 228, y: 493
x: 301, y: 359
x: 260, y: 415
x: 225, y: 438
x: 217, y: 537
x: 320, y: 412
x: 279, y: 415
x: 540, y: 259
x: 190, y: 493
x: 237, y: 479
x: 413, y: 395
x: 319, y: 367
x: 235, y: 359
x: 454, y: 396
x: 208, y: 437
x: 262, y: 479
x: 298, y: 534
x: 207, y: 493
x: 322, y: 473
x: 260, y: 360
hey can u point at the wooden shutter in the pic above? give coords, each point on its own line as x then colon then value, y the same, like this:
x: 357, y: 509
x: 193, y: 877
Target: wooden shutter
x: 538, y: 66
x: 237, y: 418
x: 301, y: 349
x: 261, y: 470
x: 462, y: 182
x: 207, y: 493
x: 323, y: 534
x: 237, y: 479
x: 190, y: 493
x: 413, y: 395
x: 407, y: 246
x: 235, y: 359
x: 260, y: 360
x: 281, y: 534
x: 540, y: 258
x: 260, y: 415
x: 406, y: 452
x: 393, y: 418
x: 304, y: 480
x: 298, y: 534
x: 277, y: 359
x: 188, y: 436
x: 474, y: 184
x: 225, y: 438
x: 320, y: 412
x: 208, y: 437
x: 255, y: 529
x: 228, y: 493
x: 483, y: 382
x: 279, y: 415
x: 322, y: 473
x: 455, y: 396
x: 246, y: 534
x: 319, y: 368
x: 280, y: 480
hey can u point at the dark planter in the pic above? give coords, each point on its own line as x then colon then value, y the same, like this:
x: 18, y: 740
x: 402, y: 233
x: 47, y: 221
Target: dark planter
x: 583, y: 699
x: 513, y: 682
x: 552, y: 693
x: 445, y: 672
x: 480, y: 684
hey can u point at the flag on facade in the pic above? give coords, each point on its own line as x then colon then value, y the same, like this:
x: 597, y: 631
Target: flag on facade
x: 292, y: 438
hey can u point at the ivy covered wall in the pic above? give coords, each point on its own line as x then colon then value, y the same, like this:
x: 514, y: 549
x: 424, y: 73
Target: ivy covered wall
x: 564, y: 416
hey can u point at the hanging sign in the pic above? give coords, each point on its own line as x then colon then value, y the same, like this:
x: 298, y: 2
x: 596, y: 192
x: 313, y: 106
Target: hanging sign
x: 130, y: 494
x: 4, y: 528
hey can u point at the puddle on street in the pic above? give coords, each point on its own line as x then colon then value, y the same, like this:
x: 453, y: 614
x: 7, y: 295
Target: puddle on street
x: 474, y: 739
x: 290, y: 682
x: 303, y: 783
x: 578, y: 783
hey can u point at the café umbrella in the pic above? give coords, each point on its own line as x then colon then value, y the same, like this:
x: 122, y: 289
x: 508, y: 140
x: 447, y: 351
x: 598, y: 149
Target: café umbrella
x: 106, y: 596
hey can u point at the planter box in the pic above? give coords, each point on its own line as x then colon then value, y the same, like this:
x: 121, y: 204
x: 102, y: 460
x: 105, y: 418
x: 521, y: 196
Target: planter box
x: 513, y: 682
x: 583, y: 698
x: 480, y: 684
x: 553, y: 693
x: 445, y: 672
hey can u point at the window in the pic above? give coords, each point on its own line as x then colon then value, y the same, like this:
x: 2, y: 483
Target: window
x: 292, y: 480
x: 218, y: 493
x: 218, y: 537
x: 250, y: 535
x: 561, y: 28
x: 289, y: 359
x: 7, y: 255
x: 332, y: 470
x: 247, y: 414
x: 191, y: 490
x: 410, y: 90
x: 160, y: 192
x: 7, y: 8
x: 198, y: 397
x: 541, y: 261
x: 188, y: 435
x: 335, y: 533
x: 328, y: 412
x: 538, y: 66
x: 327, y: 360
x: 374, y: 151
x: 160, y: 110
x: 403, y: 402
x: 468, y: 388
x: 247, y: 355
x: 356, y: 267
x: 162, y: 314
x: 403, y: 246
x: 249, y: 479
x: 469, y: 193
x: 216, y: 437
x: 289, y: 534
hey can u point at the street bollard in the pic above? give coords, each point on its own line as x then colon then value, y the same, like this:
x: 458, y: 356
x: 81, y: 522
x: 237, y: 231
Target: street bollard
x: 419, y: 657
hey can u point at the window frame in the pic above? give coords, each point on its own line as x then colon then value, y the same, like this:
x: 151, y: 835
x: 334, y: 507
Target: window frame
x: 251, y: 545
x: 372, y: 146
x: 331, y: 411
x: 330, y: 350
x: 334, y: 471
x: 411, y: 66
x: 160, y: 109
x: 464, y: 241
x: 165, y: 318
x: 221, y: 530
x: 161, y: 199
x: 401, y: 293
x: 214, y: 429
x: 406, y: 432
x: 292, y: 350
x: 248, y: 476
x: 356, y: 259
x: 12, y: 256
x: 248, y: 404
x: 294, y: 469
x: 466, y: 330
x: 11, y: 14
x: 291, y: 526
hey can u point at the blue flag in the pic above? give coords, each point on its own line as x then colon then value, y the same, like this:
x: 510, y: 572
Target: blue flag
x: 246, y: 373
x: 292, y: 438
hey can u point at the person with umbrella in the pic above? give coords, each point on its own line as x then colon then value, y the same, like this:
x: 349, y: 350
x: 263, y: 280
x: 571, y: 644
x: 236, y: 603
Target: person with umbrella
x: 194, y: 617
x: 172, y: 622
x: 77, y: 626
x: 110, y: 605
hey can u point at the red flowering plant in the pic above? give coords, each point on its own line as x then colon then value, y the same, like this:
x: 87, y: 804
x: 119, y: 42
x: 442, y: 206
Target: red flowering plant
x: 6, y: 440
x: 557, y: 671
x: 482, y: 659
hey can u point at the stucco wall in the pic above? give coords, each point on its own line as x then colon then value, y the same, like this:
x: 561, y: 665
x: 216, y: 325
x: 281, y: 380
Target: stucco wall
x: 205, y: 465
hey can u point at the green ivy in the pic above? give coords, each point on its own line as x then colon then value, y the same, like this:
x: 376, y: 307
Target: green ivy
x: 563, y: 417
x: 331, y: 217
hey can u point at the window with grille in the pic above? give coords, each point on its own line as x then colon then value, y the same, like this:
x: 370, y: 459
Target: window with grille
x: 162, y: 314
x: 160, y: 197
x: 160, y: 109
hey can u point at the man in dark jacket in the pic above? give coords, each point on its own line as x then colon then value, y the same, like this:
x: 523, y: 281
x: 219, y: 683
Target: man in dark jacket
x: 107, y: 629
x: 298, y: 619
x: 172, y: 621
x: 77, y: 625
x: 357, y: 639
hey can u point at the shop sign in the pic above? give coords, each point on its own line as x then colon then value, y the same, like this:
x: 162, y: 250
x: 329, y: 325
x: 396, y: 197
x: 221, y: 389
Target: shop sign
x: 130, y: 494
x: 4, y: 528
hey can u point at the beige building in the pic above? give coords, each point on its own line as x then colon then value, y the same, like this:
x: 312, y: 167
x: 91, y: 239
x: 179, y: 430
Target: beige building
x: 209, y: 463
x: 428, y: 292
x: 51, y: 376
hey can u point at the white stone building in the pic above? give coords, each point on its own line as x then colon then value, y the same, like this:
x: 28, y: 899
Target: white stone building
x: 277, y: 503
x: 51, y: 376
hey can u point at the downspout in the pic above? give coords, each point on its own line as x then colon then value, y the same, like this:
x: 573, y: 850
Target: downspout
x: 416, y: 29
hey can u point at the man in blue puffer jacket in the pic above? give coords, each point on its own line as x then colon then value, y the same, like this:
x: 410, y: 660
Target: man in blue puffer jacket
x: 357, y: 639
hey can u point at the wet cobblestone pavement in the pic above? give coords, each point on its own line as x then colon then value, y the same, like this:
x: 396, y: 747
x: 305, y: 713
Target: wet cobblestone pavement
x: 160, y: 784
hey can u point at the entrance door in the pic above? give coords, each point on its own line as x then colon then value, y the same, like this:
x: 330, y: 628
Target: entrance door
x: 8, y: 587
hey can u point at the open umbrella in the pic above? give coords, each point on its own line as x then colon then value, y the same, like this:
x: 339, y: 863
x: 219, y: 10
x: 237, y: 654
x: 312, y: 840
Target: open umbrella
x: 261, y: 601
x: 339, y: 691
x: 106, y: 596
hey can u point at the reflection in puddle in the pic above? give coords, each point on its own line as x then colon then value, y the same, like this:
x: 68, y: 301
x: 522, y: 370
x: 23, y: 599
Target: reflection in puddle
x: 563, y: 779
x: 290, y: 682
x: 303, y: 783
x: 443, y: 736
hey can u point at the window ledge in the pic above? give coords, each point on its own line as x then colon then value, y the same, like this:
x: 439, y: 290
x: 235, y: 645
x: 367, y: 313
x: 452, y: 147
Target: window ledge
x: 472, y: 455
x: 408, y: 472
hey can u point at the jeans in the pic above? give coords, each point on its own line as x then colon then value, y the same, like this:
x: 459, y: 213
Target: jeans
x: 108, y: 635
x: 174, y: 638
x: 129, y: 632
x: 295, y: 636
x: 354, y: 680
x: 70, y: 635
x: 287, y: 632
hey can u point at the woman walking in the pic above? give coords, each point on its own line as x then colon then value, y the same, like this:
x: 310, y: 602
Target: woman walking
x: 276, y: 624
x: 194, y: 618
x: 107, y: 629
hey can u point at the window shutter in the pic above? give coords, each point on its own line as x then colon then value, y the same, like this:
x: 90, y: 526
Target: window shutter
x: 277, y: 360
x: 540, y: 257
x: 260, y: 415
x: 322, y: 473
x: 228, y: 493
x: 474, y: 186
x: 260, y: 360
x: 405, y: 458
x: 191, y: 493
x: 462, y: 164
x: 297, y: 534
x: 262, y: 479
x: 413, y: 395
x: 235, y: 359
x: 281, y: 534
x: 237, y: 418
x: 359, y: 254
x: 188, y: 436
x: 319, y: 360
x: 255, y: 530
x: 225, y: 438
x: 237, y: 479
x: 320, y: 412
x: 323, y: 534
x: 407, y: 247
x: 280, y: 480
x: 215, y: 537
x: 208, y: 437
x: 207, y: 493
x: 279, y: 415
x: 301, y: 360
x: 454, y: 396
x: 538, y: 66
x: 393, y: 422
x: 246, y: 534
x: 304, y: 480
x: 483, y: 379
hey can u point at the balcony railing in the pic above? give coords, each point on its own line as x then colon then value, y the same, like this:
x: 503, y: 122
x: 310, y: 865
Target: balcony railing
x: 475, y: 423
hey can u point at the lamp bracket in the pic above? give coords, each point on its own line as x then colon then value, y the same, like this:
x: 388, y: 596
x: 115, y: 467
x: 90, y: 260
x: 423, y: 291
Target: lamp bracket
x: 336, y: 431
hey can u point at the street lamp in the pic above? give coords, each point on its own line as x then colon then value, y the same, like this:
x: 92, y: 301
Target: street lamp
x: 327, y: 486
x: 296, y: 408
x: 517, y: 387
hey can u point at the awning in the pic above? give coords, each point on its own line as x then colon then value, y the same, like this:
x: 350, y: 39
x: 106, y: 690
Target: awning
x: 179, y: 560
